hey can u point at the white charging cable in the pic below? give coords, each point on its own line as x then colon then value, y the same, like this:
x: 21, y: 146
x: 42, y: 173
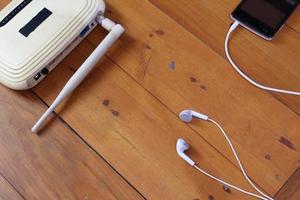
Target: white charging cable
x: 181, y: 146
x: 231, y: 29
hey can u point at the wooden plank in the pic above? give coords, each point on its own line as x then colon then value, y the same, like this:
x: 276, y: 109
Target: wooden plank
x: 291, y: 189
x: 137, y: 134
x: 144, y: 138
x: 273, y: 63
x: 7, y: 192
x: 3, y: 3
x: 56, y: 164
x: 182, y: 72
x: 294, y: 21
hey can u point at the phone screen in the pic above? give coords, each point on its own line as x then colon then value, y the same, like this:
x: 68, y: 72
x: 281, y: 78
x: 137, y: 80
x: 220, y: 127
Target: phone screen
x: 265, y: 17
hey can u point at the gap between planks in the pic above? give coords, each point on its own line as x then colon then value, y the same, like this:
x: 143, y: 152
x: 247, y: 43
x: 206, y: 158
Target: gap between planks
x: 274, y: 95
x: 10, y: 187
x: 88, y: 145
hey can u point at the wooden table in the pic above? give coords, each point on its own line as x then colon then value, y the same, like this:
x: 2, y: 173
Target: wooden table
x: 115, y: 137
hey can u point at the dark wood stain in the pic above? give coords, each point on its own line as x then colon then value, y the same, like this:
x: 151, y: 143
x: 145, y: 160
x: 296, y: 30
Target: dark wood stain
x: 287, y: 143
x: 148, y: 47
x: 226, y: 189
x: 203, y: 87
x: 159, y: 32
x: 193, y: 79
x: 172, y: 65
x: 268, y: 157
x: 115, y: 113
x: 105, y: 102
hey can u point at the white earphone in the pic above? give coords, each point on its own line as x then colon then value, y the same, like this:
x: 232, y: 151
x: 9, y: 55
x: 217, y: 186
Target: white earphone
x: 187, y: 116
x: 182, y: 146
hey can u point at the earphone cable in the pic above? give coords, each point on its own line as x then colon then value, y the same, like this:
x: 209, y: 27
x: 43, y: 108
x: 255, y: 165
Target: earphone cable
x: 227, y: 184
x: 237, y: 159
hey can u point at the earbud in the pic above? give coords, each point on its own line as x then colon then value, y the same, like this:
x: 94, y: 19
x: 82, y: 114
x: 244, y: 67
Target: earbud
x: 181, y: 147
x: 187, y: 115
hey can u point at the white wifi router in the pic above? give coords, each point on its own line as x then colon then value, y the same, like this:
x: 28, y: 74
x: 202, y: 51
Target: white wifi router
x: 35, y: 35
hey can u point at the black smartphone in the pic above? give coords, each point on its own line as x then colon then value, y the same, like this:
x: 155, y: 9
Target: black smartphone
x: 264, y: 17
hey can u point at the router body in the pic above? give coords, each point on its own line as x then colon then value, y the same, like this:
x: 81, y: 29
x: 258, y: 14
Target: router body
x: 35, y: 36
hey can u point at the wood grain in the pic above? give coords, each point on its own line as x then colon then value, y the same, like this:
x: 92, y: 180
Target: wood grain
x: 55, y: 165
x: 127, y: 111
x: 7, y: 192
x: 291, y: 189
x: 275, y: 63
x: 137, y: 134
x: 205, y: 81
x: 3, y: 3
x: 294, y: 21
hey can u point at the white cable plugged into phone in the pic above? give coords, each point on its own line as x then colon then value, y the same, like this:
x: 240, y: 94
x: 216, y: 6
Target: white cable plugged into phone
x: 115, y: 31
x: 233, y: 27
x: 182, y: 146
